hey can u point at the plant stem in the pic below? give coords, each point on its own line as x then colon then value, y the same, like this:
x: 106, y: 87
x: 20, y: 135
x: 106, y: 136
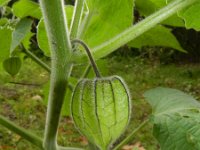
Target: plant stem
x: 37, y: 60
x: 94, y: 66
x: 24, y: 84
x: 59, y: 41
x: 85, y: 22
x: 77, y: 15
x: 131, y: 136
x: 22, y: 132
x: 136, y: 30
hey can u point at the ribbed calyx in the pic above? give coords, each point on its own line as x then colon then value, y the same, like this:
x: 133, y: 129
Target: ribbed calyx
x: 101, y: 109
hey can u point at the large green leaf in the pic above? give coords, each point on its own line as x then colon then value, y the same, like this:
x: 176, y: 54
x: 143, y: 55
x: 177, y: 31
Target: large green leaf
x: 42, y: 34
x: 157, y: 36
x: 5, y: 42
x: 21, y: 30
x: 3, y: 2
x: 147, y: 7
x: 103, y: 24
x: 107, y: 19
x: 26, y: 41
x: 176, y: 119
x: 42, y: 38
x: 191, y: 16
x: 3, y: 22
x: 24, y: 8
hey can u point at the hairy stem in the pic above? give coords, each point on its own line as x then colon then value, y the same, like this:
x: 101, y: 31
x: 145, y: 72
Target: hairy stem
x: 131, y: 136
x: 21, y: 131
x: 58, y: 36
x: 136, y: 30
x: 94, y: 66
x: 78, y: 11
x: 85, y: 22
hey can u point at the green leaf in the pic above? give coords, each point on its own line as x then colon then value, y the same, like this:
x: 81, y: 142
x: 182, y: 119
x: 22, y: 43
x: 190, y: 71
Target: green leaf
x: 24, y: 8
x: 26, y: 41
x: 148, y: 7
x: 42, y: 38
x: 174, y: 21
x: 42, y: 34
x: 107, y: 19
x: 157, y: 36
x: 176, y: 119
x: 191, y: 16
x: 5, y: 42
x: 22, y: 29
x: 3, y: 2
x: 3, y: 22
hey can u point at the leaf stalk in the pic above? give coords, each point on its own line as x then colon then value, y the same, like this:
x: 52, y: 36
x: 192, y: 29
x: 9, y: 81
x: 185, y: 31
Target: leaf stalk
x: 76, y: 19
x: 131, y: 136
x: 22, y: 132
x: 37, y: 60
x: 94, y: 65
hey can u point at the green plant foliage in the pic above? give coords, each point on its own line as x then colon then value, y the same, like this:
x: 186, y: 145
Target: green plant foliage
x: 3, y: 2
x: 176, y: 119
x: 104, y: 22
x: 42, y: 34
x: 191, y: 15
x: 152, y: 6
x: 101, y: 109
x: 5, y: 41
x: 12, y: 65
x: 24, y: 8
x: 164, y: 37
x: 3, y: 22
x: 42, y: 38
x: 157, y: 36
x: 26, y: 41
x: 21, y: 30
x: 101, y: 106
